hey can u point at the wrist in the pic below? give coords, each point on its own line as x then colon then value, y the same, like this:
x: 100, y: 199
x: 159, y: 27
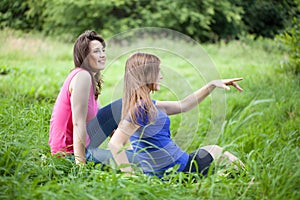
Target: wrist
x: 80, y: 161
x: 211, y: 85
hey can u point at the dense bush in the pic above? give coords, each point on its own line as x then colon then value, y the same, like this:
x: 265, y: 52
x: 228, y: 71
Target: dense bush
x: 291, y: 42
x: 22, y: 14
x: 193, y: 18
x: 268, y: 17
x: 12, y: 13
x: 203, y: 20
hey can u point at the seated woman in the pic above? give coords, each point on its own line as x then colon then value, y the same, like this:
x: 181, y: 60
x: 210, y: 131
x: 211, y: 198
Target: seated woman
x: 76, y: 106
x: 146, y: 122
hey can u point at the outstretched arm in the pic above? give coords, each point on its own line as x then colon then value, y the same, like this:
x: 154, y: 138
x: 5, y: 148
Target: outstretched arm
x: 175, y: 107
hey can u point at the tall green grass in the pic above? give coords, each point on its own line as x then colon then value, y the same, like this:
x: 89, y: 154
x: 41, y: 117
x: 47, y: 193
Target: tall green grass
x: 261, y: 127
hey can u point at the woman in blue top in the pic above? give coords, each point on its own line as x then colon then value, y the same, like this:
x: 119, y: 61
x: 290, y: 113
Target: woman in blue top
x: 146, y: 123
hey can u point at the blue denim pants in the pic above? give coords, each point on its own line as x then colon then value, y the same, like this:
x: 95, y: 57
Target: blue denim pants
x: 100, y: 128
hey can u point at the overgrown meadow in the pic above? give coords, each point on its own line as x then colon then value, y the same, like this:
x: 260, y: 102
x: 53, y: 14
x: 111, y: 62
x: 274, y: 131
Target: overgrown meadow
x: 259, y: 125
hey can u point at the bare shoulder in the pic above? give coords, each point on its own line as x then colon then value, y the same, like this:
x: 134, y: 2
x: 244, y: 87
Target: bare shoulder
x: 82, y: 79
x: 83, y: 74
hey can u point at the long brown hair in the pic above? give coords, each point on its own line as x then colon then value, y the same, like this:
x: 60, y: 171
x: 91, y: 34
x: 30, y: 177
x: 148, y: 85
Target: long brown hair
x: 141, y: 75
x: 81, y: 51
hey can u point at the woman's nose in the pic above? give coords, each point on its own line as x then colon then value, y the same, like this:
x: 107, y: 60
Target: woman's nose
x: 102, y: 55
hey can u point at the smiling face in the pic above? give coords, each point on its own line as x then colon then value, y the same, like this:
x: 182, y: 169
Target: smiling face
x: 97, y: 56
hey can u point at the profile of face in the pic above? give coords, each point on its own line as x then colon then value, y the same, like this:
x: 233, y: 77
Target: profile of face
x: 96, y: 57
x: 157, y: 84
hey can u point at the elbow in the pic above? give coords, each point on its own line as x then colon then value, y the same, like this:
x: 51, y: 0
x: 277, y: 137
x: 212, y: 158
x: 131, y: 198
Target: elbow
x: 78, y: 123
x: 183, y: 107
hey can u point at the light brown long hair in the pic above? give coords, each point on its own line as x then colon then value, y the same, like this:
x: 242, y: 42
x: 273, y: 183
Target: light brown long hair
x: 81, y: 51
x: 141, y: 75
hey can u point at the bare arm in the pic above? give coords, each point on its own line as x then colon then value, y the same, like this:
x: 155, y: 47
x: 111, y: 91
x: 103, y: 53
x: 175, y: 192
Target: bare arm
x: 175, y: 107
x: 118, y: 141
x: 80, y: 89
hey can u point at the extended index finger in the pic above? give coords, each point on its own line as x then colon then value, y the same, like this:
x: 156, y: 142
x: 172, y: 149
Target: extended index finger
x: 237, y: 79
x: 230, y: 80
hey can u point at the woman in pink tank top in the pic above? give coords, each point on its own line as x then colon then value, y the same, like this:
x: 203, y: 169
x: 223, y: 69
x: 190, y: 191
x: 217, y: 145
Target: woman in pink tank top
x: 76, y: 104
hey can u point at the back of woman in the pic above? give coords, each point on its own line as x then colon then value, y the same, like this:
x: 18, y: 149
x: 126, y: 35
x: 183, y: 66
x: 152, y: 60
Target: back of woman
x: 153, y: 147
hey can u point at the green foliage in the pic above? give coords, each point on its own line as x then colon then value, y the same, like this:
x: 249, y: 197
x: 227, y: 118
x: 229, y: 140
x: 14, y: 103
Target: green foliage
x: 70, y: 18
x: 204, y: 20
x: 4, y: 70
x: 227, y: 21
x: 291, y: 43
x: 20, y: 14
x: 36, y: 14
x: 12, y: 14
x: 195, y: 18
x: 267, y: 17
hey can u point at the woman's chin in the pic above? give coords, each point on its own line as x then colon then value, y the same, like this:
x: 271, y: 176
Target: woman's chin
x: 100, y: 68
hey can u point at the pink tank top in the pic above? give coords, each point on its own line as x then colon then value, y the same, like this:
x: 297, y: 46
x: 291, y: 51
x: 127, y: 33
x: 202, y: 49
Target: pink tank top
x: 61, y: 125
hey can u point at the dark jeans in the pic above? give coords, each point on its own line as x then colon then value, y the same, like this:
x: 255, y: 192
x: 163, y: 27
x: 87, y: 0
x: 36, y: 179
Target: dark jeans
x: 100, y: 128
x: 199, y: 162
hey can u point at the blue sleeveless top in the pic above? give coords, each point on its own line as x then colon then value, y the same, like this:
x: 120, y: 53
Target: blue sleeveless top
x: 153, y: 147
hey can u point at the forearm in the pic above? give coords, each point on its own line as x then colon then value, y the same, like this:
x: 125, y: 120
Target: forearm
x: 119, y: 154
x: 117, y: 144
x: 194, y: 99
x: 79, y: 142
x: 175, y: 107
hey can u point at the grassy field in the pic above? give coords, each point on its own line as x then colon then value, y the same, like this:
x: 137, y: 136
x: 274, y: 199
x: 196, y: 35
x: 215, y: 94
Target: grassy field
x: 260, y: 125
